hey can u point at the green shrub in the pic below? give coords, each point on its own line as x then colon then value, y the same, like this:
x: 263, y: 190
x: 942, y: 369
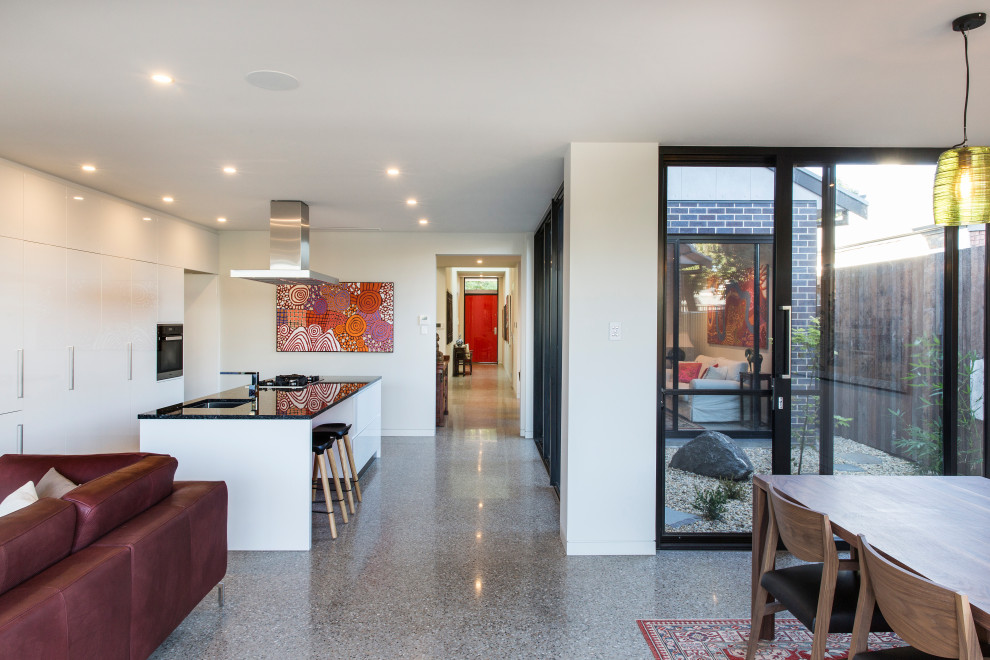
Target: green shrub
x: 710, y: 502
x: 734, y: 490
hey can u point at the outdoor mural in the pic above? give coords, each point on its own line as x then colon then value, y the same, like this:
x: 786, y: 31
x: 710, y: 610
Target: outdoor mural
x: 326, y: 318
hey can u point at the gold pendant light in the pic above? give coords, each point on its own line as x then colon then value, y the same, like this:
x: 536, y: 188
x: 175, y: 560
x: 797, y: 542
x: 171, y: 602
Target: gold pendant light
x: 962, y: 179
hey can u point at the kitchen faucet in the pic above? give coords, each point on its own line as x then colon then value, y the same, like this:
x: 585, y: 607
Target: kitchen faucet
x: 253, y: 387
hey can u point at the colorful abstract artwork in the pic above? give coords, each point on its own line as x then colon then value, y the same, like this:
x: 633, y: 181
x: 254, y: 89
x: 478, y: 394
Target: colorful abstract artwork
x: 354, y: 317
x: 734, y: 324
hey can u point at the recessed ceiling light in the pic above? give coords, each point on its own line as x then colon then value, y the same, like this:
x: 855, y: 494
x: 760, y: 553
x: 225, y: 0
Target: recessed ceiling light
x: 167, y: 199
x: 146, y: 219
x: 480, y: 261
x: 89, y: 168
x: 78, y: 198
x: 424, y: 221
x: 392, y: 171
x: 411, y: 202
x: 162, y: 78
x: 221, y: 219
x: 230, y: 170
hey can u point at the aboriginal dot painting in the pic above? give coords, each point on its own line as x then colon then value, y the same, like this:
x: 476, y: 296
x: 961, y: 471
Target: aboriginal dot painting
x: 353, y: 317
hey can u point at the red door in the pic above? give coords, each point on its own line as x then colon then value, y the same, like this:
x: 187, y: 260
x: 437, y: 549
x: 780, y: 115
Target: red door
x: 481, y: 326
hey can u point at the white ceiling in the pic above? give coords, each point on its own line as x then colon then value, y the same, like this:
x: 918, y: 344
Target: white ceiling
x: 475, y: 102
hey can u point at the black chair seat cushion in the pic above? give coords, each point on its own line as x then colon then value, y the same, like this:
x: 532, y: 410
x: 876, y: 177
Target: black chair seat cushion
x: 909, y: 653
x: 797, y: 587
x: 336, y: 429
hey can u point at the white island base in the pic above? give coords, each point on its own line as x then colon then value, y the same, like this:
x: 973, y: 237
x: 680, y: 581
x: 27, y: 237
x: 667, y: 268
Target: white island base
x: 267, y: 464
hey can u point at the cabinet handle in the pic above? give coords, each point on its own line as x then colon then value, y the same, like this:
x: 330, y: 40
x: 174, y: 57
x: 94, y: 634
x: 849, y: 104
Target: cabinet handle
x: 72, y: 367
x: 20, y: 438
x: 130, y: 361
x: 20, y: 373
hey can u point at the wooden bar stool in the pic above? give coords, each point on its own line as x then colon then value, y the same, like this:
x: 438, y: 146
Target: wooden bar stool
x: 339, y: 431
x: 322, y: 454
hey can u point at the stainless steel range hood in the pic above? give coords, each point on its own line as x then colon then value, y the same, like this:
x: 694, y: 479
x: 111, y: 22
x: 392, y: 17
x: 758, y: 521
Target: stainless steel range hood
x: 289, y: 237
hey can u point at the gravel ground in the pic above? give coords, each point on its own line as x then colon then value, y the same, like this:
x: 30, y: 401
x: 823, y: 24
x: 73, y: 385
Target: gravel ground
x: 738, y: 517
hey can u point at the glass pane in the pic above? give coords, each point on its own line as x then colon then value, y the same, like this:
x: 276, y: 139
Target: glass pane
x: 972, y: 312
x: 476, y: 284
x: 889, y: 259
x: 717, y: 361
x: 806, y: 273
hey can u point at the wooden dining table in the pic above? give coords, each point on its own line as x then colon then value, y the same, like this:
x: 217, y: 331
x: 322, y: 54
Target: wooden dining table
x: 938, y: 527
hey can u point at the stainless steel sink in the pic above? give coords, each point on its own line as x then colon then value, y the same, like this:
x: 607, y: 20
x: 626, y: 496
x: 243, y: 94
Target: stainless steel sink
x: 219, y: 403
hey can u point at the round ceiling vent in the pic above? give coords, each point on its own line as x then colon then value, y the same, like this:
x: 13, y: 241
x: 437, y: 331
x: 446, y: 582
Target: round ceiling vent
x: 274, y: 81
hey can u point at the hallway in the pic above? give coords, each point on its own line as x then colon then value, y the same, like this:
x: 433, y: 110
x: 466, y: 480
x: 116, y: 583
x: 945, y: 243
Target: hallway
x: 455, y: 553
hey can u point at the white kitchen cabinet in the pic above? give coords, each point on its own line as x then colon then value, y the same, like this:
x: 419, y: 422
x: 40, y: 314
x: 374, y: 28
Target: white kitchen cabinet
x: 11, y: 429
x: 11, y: 201
x: 44, y: 210
x: 83, y: 219
x: 46, y: 355
x: 187, y: 246
x: 171, y: 297
x: 127, y: 233
x: 86, y: 400
x: 115, y: 336
x: 142, y: 386
x: 12, y: 325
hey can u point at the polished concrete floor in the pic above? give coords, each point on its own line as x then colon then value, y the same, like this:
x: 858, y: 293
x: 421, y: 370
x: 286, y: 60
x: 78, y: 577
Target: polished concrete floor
x: 455, y: 553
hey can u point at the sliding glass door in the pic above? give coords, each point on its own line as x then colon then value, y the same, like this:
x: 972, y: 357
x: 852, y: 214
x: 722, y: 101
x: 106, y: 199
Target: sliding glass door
x: 547, y: 334
x: 717, y: 362
x: 861, y: 326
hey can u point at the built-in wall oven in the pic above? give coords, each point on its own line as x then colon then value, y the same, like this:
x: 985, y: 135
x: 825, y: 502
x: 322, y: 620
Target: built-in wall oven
x: 169, y: 351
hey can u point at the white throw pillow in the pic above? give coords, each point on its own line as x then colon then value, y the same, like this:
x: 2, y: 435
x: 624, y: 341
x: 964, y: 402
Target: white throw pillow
x: 717, y: 373
x: 53, y: 484
x: 19, y: 499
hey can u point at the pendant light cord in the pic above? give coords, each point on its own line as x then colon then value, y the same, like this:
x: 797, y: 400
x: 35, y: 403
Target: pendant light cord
x: 966, y: 103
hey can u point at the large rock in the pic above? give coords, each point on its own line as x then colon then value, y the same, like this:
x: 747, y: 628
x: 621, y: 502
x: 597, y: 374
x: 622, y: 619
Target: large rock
x: 713, y: 454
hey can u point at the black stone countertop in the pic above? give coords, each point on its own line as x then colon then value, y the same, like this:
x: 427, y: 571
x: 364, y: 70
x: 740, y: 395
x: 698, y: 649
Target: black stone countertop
x: 296, y: 403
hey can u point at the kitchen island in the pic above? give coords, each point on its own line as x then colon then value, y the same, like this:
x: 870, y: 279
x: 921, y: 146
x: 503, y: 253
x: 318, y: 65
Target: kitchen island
x: 261, y: 445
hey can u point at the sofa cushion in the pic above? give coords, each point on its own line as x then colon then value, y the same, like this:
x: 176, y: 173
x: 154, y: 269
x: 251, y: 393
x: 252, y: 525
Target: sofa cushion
x: 33, y: 539
x: 108, y: 501
x: 159, y: 544
x: 53, y: 484
x: 78, y: 608
x: 688, y: 371
x: 24, y: 496
x: 15, y: 469
x: 734, y: 368
x: 716, y: 372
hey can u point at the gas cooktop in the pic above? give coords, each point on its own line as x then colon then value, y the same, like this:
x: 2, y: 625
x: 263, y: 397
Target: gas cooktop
x: 288, y: 382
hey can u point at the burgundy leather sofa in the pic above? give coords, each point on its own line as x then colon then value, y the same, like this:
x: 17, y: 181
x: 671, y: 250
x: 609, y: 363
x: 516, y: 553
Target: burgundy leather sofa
x: 111, y: 568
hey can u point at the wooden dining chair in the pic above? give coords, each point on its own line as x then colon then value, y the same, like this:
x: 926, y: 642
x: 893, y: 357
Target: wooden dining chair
x: 822, y: 595
x: 933, y: 619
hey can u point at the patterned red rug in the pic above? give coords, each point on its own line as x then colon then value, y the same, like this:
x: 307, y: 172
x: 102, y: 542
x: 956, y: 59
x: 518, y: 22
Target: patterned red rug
x: 725, y: 639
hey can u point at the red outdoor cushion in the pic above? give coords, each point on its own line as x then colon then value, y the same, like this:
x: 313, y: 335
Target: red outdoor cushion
x: 111, y: 500
x: 688, y: 371
x: 34, y: 538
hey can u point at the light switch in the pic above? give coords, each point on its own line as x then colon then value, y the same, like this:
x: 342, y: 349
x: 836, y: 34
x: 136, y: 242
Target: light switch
x: 614, y: 331
x: 424, y: 330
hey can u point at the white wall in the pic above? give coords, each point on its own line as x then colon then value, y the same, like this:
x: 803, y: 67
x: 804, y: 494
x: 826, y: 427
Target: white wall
x: 408, y: 259
x: 610, y: 266
x: 201, y: 340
